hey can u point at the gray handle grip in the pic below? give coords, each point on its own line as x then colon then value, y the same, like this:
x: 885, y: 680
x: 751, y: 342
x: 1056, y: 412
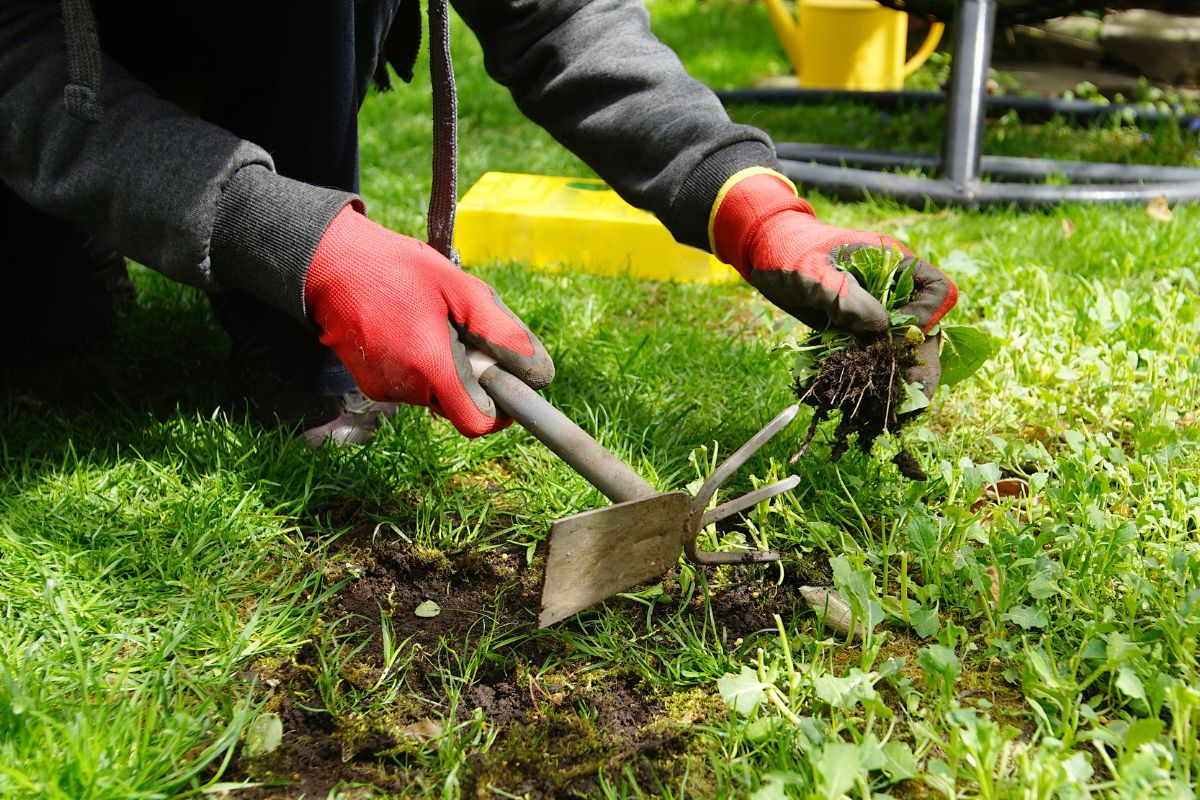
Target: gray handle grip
x: 568, y: 441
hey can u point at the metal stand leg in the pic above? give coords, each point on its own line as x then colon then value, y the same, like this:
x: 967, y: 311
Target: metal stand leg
x: 853, y: 173
x: 962, y: 145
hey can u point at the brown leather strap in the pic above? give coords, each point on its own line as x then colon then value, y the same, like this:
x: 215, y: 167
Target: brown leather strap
x: 445, y: 133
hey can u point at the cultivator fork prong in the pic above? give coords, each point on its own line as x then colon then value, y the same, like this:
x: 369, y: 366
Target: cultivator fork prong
x: 701, y: 518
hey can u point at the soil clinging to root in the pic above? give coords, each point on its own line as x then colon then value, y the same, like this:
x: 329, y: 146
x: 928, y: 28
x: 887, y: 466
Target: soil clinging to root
x: 865, y: 385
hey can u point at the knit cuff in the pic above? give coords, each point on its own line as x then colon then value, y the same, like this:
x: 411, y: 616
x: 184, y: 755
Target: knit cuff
x: 689, y: 214
x: 266, y: 232
x: 729, y: 186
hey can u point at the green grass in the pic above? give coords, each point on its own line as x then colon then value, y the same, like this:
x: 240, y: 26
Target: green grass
x: 162, y: 558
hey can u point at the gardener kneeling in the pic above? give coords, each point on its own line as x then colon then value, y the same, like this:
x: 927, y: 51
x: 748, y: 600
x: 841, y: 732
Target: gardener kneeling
x: 219, y: 146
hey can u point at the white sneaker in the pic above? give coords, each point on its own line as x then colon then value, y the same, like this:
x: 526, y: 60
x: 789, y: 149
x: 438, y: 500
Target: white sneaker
x: 356, y: 424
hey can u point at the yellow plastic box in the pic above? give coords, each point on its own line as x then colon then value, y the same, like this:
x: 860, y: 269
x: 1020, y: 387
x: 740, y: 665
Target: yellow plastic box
x: 550, y: 222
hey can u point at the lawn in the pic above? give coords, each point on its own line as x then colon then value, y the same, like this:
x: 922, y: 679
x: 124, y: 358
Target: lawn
x: 193, y: 605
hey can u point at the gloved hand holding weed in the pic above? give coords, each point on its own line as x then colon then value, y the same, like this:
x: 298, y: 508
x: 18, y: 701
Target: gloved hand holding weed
x: 773, y: 239
x: 874, y: 307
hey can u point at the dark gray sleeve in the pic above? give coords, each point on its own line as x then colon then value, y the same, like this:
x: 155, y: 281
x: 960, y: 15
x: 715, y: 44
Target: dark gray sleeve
x: 593, y: 75
x: 147, y: 179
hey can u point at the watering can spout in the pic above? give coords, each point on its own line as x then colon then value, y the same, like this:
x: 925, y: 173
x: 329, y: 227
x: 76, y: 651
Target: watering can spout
x: 787, y: 28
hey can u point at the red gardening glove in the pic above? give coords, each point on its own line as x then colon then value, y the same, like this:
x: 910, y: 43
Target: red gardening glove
x: 772, y: 238
x: 399, y: 316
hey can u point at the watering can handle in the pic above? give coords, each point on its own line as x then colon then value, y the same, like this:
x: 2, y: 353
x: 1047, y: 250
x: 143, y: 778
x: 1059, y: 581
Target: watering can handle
x: 926, y: 49
x: 568, y: 441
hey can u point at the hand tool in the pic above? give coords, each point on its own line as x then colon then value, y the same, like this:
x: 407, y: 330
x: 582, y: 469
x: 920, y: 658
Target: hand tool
x: 596, y: 554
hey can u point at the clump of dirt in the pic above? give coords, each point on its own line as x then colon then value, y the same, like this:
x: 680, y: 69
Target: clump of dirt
x: 865, y: 385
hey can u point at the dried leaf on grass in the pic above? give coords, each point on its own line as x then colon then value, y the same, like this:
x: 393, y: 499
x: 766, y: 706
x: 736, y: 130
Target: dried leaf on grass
x: 263, y: 735
x: 422, y: 730
x: 1001, y: 490
x: 1160, y: 210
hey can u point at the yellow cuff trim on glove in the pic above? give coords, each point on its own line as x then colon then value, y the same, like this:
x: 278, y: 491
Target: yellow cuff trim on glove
x: 735, y: 179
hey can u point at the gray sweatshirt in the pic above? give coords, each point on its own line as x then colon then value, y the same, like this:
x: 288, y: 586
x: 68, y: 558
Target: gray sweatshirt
x: 206, y: 208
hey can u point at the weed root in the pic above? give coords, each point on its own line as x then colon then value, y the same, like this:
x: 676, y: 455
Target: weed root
x: 866, y: 386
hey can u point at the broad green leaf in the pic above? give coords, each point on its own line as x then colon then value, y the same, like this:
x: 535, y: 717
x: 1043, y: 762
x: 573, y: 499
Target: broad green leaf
x: 1129, y: 683
x: 858, y: 587
x: 1079, y: 770
x: 770, y: 790
x: 964, y: 350
x: 960, y: 262
x: 1027, y: 617
x: 901, y: 763
x: 774, y: 785
x: 1042, y: 587
x: 815, y: 730
x: 921, y: 535
x: 1040, y: 664
x: 848, y: 691
x: 838, y: 768
x: 1142, y: 732
x: 1120, y: 304
x: 742, y: 692
x: 871, y: 754
x: 263, y: 735
x: 939, y: 659
x: 925, y: 621
x: 763, y: 728
x: 1119, y: 650
x: 914, y: 399
x: 804, y: 369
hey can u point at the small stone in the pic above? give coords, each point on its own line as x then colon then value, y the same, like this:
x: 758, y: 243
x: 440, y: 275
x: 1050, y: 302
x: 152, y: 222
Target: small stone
x: 835, y: 611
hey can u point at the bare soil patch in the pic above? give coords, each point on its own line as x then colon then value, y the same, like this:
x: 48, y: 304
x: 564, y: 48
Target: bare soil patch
x: 553, y: 734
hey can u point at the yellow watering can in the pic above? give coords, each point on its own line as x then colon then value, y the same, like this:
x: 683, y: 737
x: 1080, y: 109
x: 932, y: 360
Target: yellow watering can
x: 848, y: 44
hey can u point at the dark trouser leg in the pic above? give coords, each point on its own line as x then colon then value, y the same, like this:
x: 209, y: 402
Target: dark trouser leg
x: 287, y: 81
x: 54, y: 295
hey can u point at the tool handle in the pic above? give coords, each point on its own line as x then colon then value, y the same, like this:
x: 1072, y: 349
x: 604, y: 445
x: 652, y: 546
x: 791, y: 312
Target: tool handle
x: 551, y: 427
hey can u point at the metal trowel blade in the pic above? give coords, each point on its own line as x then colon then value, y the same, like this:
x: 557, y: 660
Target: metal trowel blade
x: 597, y: 554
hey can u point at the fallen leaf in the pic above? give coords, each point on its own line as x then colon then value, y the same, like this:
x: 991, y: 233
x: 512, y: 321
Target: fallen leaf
x: 263, y: 735
x: 422, y: 730
x: 1035, y: 433
x: 1007, y: 487
x: 1000, y: 490
x: 428, y: 609
x: 1068, y: 228
x: 994, y: 575
x: 1159, y: 209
